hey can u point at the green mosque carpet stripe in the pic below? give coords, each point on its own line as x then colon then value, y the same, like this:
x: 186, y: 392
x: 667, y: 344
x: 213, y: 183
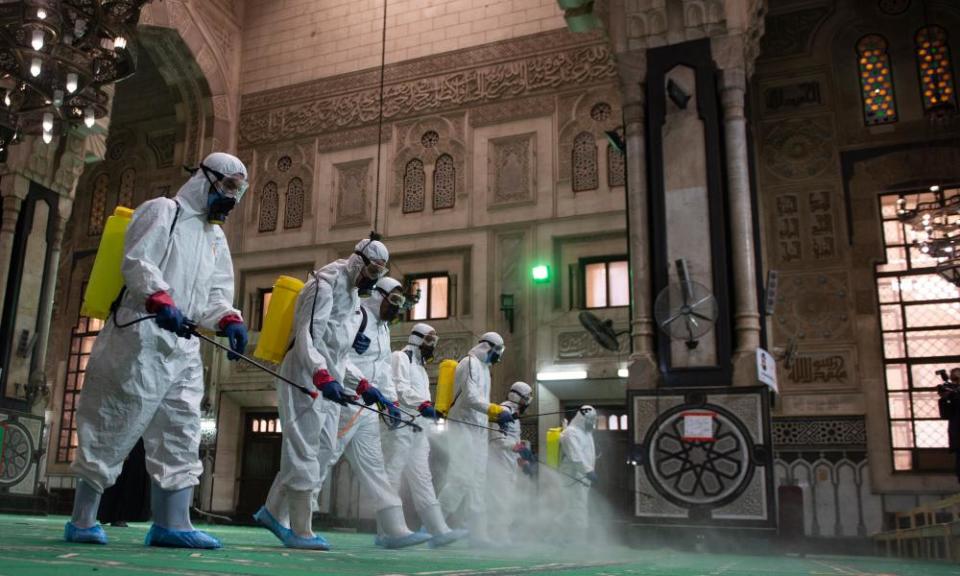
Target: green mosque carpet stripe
x: 33, y: 546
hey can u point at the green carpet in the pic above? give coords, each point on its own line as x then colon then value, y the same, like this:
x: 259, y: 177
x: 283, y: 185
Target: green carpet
x: 32, y: 546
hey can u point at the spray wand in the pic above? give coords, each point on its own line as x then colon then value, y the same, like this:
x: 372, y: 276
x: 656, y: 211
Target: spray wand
x: 412, y: 415
x: 313, y: 393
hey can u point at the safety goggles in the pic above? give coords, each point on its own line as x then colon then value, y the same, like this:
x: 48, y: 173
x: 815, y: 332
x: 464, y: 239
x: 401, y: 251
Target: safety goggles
x: 497, y: 348
x: 428, y: 339
x: 395, y: 298
x: 233, y: 185
x: 372, y: 269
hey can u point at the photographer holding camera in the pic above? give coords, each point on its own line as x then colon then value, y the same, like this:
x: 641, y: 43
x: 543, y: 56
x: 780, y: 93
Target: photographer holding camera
x: 949, y: 405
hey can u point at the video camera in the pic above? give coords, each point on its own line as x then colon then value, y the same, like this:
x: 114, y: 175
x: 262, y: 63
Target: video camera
x: 947, y: 386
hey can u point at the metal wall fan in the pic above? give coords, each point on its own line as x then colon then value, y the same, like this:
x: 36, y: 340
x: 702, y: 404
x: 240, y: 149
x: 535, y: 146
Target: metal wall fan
x: 685, y: 310
x: 602, y: 331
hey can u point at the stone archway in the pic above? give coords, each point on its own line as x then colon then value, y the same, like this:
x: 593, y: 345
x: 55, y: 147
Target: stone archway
x: 202, y: 52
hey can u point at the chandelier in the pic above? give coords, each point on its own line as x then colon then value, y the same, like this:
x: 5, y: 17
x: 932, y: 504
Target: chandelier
x: 934, y: 222
x: 56, y: 56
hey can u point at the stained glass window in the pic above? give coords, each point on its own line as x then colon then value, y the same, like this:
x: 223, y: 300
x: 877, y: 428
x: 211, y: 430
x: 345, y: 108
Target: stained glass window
x: 920, y: 324
x: 81, y: 344
x: 293, y: 207
x: 128, y: 180
x: 414, y: 182
x: 585, y: 163
x: 98, y: 205
x: 444, y: 183
x: 933, y: 63
x: 269, y: 207
x: 876, y: 81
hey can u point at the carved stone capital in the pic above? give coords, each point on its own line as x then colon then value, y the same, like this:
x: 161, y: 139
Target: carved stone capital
x: 11, y: 211
x: 733, y: 89
x: 632, y: 73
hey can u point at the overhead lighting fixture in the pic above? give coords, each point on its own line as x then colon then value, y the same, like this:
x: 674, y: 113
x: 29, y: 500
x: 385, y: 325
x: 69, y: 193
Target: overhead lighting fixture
x: 64, y: 48
x: 562, y: 375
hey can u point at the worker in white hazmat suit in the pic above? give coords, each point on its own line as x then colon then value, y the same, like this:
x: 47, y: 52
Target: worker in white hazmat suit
x: 317, y: 354
x: 407, y: 452
x: 465, y: 482
x: 359, y: 429
x: 577, y: 460
x: 145, y: 377
x: 506, y: 451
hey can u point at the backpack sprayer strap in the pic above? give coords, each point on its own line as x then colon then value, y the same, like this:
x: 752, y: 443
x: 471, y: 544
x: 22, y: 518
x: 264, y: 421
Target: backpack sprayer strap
x: 115, y: 306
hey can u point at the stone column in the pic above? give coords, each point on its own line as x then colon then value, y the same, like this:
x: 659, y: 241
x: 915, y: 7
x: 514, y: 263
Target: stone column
x: 746, y: 316
x: 8, y: 227
x: 37, y: 384
x: 644, y: 372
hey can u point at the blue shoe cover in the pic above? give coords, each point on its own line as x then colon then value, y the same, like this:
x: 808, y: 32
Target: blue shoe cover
x: 160, y: 536
x: 91, y: 535
x: 394, y: 542
x: 267, y: 520
x: 447, y: 538
x: 291, y: 540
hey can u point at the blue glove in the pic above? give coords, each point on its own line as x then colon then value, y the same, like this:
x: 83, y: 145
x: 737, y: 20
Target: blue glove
x: 428, y: 411
x: 526, y: 454
x: 396, y: 418
x: 170, y: 318
x: 236, y: 332
x: 505, y: 417
x: 591, y: 477
x: 330, y: 388
x: 371, y: 394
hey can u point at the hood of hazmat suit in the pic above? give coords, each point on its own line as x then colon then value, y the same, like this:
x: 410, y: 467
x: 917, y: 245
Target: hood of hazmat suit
x: 578, y: 454
x: 141, y: 375
x: 410, y: 384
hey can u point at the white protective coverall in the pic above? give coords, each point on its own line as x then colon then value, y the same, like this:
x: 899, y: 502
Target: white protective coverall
x: 145, y: 381
x: 502, y: 471
x: 407, y: 452
x: 577, y: 459
x: 465, y: 481
x: 321, y: 339
x: 358, y: 429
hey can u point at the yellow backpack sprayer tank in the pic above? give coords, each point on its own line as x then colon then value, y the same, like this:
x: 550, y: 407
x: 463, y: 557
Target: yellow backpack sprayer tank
x: 553, y: 447
x: 275, y: 334
x: 106, y: 280
x: 445, y: 384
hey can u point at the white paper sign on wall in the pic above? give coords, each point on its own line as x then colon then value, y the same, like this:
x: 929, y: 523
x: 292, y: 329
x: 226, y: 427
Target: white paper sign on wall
x: 767, y: 369
x: 698, y: 426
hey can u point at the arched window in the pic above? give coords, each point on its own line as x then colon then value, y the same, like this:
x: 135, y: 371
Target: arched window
x: 128, y: 180
x: 876, y: 81
x: 414, y: 182
x: 616, y: 172
x: 444, y: 183
x: 933, y: 63
x: 624, y: 422
x: 613, y: 423
x: 585, y: 162
x: 269, y: 207
x: 98, y: 205
x: 293, y: 207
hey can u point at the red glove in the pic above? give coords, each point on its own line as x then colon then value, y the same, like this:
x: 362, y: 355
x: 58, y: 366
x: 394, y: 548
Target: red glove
x: 158, y: 300
x: 228, y: 320
x: 321, y: 378
x: 363, y: 387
